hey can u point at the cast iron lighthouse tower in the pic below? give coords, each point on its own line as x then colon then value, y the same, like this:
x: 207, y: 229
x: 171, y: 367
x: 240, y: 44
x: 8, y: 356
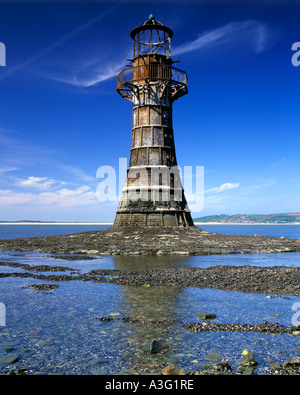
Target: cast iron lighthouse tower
x: 153, y: 194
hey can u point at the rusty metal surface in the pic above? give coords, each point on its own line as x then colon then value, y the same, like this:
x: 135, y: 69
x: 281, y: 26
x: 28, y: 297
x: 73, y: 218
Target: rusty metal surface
x: 128, y: 78
x: 152, y: 37
x: 150, y: 24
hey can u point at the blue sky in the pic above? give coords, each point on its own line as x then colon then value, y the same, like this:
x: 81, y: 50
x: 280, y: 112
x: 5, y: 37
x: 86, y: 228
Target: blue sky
x: 61, y: 118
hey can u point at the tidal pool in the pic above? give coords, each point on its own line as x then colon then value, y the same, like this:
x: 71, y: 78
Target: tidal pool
x: 58, y: 331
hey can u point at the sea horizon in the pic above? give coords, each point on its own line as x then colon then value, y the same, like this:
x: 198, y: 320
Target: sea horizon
x: 111, y: 223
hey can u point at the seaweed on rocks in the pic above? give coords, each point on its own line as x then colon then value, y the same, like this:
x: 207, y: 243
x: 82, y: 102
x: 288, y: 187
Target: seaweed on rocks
x: 275, y: 280
x: 263, y: 327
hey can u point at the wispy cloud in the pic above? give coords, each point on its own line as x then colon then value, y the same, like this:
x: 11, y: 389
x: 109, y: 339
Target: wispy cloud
x: 251, y: 33
x: 78, y: 173
x: 264, y: 185
x: 89, y: 76
x: 224, y: 187
x: 277, y: 163
x: 8, y: 169
x: 15, y: 151
x: 58, y: 43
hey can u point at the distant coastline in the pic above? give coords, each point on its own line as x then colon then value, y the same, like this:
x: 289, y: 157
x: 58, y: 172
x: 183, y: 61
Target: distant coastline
x: 55, y: 223
x: 246, y: 223
x: 111, y: 223
x: 250, y: 219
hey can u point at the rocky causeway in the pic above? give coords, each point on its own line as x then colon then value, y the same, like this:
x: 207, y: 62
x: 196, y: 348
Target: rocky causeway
x: 164, y: 241
x: 152, y: 241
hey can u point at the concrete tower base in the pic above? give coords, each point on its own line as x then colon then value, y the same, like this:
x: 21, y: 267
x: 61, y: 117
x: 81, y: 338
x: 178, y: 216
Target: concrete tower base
x: 153, y: 218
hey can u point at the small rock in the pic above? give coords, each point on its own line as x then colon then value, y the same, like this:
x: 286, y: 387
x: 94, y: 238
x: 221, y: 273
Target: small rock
x: 153, y: 346
x: 42, y: 287
x: 212, y: 357
x: 170, y: 370
x: 10, y: 358
x: 182, y: 372
x: 293, y: 362
x: 217, y: 368
x: 274, y: 365
x: 247, y: 361
x: 19, y: 372
x: 249, y: 371
x: 206, y: 316
x: 210, y: 366
x: 224, y: 365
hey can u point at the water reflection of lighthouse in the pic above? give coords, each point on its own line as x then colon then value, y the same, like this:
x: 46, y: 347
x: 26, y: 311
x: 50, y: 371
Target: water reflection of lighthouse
x: 149, y: 304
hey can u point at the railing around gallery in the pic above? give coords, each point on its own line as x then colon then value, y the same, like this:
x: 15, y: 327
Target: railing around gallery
x: 150, y: 72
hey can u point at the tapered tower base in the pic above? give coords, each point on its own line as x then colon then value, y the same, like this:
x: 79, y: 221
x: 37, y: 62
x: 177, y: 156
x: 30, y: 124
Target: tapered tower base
x: 153, y: 218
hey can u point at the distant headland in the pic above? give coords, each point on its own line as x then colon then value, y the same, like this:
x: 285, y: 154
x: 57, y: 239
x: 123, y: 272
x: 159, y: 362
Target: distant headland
x: 257, y: 219
x: 28, y: 222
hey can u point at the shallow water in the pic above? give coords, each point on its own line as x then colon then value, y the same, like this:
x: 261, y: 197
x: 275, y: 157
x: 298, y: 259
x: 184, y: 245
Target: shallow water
x: 58, y: 332
x: 290, y: 231
x: 17, y: 231
x: 20, y: 231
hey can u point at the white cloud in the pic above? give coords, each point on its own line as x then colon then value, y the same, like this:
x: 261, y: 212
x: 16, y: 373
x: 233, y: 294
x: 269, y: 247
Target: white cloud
x: 5, y: 192
x: 251, y: 33
x: 36, y: 182
x: 41, y: 183
x: 64, y: 197
x: 224, y: 187
x: 43, y: 191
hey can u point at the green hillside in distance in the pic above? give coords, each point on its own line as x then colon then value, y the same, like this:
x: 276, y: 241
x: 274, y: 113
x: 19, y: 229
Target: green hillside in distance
x: 283, y: 218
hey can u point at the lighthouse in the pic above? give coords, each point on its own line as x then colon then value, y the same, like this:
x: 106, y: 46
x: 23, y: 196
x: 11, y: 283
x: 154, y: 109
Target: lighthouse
x: 153, y: 193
